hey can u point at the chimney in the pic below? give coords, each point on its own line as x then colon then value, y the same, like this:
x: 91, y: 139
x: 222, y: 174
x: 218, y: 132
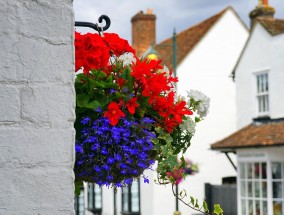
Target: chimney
x: 262, y: 10
x: 143, y: 31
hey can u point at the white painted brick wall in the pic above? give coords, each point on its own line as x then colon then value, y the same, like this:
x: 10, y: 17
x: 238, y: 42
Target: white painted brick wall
x: 37, y: 103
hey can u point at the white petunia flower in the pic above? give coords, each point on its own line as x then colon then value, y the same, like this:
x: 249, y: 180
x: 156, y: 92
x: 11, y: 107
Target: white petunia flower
x: 127, y: 58
x: 202, y: 101
x: 188, y: 125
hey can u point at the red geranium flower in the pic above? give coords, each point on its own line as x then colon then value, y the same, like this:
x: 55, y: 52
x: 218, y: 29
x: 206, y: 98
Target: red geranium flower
x: 132, y: 105
x: 113, y: 113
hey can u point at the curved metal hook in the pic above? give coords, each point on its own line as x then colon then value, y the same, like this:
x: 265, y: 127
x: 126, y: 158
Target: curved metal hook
x: 95, y: 26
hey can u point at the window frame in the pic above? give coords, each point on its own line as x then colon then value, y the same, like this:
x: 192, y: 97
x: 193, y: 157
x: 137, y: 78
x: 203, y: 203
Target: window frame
x: 91, y: 191
x: 260, y: 158
x: 77, y: 202
x: 264, y: 94
x: 129, y: 210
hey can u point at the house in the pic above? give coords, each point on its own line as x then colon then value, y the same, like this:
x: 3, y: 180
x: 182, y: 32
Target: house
x: 206, y: 54
x: 259, y: 140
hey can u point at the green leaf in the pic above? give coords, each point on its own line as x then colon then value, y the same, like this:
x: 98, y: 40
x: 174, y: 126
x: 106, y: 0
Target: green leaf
x: 196, y: 204
x: 78, y: 185
x: 182, y: 162
x: 218, y: 210
x: 197, y: 119
x: 192, y: 200
x: 82, y: 100
x: 93, y: 105
x: 205, y: 206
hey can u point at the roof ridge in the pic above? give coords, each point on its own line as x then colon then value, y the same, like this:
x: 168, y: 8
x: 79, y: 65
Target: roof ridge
x: 187, y: 39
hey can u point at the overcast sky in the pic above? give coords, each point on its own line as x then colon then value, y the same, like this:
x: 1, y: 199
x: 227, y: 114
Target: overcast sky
x: 179, y: 14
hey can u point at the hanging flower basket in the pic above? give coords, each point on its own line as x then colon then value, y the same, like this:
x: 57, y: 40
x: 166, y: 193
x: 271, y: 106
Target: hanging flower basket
x: 128, y: 113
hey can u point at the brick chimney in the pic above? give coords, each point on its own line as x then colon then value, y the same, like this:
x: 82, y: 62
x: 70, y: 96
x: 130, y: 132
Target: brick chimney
x: 262, y: 10
x: 143, y: 31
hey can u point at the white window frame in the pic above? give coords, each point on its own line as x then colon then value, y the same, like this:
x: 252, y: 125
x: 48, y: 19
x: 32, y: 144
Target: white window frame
x: 262, y: 94
x: 261, y: 158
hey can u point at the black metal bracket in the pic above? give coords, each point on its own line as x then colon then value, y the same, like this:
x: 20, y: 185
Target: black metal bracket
x: 96, y: 26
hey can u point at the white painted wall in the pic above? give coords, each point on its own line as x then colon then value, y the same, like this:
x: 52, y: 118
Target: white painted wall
x: 263, y: 53
x: 36, y: 107
x: 207, y: 69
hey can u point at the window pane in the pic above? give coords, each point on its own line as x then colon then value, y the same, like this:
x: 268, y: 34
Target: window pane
x: 250, y: 207
x: 276, y: 170
x: 243, y: 207
x: 266, y: 103
x: 277, y: 189
x: 258, y: 84
x: 125, y: 206
x: 256, y: 189
x: 135, y: 196
x: 257, y: 207
x: 81, y: 204
x: 249, y: 170
x: 249, y: 189
x: 277, y: 208
x: 256, y: 170
x: 243, y: 189
x: 264, y: 189
x: 90, y: 196
x: 263, y: 172
x: 98, y: 197
x: 266, y: 82
x: 242, y: 170
x: 264, y: 208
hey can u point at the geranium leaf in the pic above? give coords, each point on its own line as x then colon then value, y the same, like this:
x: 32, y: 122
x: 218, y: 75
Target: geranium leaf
x: 93, y: 105
x: 82, y: 100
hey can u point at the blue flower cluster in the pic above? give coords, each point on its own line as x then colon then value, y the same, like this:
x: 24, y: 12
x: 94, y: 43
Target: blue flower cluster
x: 114, y: 155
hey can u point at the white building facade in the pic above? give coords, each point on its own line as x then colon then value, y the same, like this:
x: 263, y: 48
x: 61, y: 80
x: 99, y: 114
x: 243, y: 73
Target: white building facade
x: 259, y: 142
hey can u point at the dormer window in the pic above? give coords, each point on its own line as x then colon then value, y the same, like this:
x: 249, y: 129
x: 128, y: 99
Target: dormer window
x: 262, y: 94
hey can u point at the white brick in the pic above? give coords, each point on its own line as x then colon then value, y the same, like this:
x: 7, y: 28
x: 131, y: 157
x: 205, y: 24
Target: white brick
x: 9, y: 103
x: 36, y: 191
x: 51, y: 103
x: 36, y: 147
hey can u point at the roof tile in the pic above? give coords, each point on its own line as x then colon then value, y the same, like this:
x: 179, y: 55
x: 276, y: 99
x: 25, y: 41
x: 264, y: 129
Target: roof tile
x: 254, y: 135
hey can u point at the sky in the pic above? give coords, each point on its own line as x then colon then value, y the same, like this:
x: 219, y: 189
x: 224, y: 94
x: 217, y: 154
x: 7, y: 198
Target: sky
x: 178, y: 14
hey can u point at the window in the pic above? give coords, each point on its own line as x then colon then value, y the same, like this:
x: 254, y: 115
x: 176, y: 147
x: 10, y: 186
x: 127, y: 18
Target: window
x: 262, y: 94
x: 253, y: 188
x: 277, y: 169
x: 94, y: 199
x: 79, y: 203
x: 131, y: 199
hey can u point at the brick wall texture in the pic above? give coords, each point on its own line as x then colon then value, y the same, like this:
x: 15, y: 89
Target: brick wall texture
x: 37, y: 103
x: 143, y: 32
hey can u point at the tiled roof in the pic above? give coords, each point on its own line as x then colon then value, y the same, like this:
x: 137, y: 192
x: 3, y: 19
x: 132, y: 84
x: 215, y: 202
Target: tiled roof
x: 186, y: 40
x: 273, y: 26
x: 254, y: 135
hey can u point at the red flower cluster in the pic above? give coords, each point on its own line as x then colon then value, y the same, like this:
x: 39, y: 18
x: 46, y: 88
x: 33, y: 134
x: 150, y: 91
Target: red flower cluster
x: 157, y: 86
x: 93, y: 51
x: 176, y: 175
x: 151, y: 83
